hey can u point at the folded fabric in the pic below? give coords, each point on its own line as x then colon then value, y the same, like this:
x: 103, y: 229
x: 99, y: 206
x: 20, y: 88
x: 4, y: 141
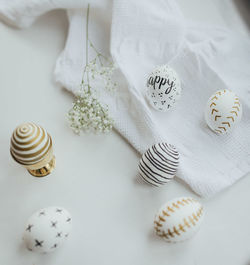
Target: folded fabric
x: 145, y: 34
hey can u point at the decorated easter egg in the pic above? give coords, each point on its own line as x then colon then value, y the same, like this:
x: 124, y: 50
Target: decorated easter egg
x: 163, y: 88
x: 159, y: 164
x: 178, y: 219
x: 47, y: 229
x: 29, y: 144
x: 223, y: 111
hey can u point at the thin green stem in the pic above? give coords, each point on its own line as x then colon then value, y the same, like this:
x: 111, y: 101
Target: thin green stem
x: 97, y: 52
x: 99, y: 59
x: 87, y: 45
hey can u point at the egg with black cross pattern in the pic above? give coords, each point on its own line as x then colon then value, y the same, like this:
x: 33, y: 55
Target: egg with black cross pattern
x: 47, y: 229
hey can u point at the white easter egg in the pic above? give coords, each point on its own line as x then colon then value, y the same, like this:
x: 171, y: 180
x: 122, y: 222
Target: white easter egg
x: 223, y: 111
x: 178, y: 219
x: 163, y: 88
x: 47, y: 229
x: 159, y: 164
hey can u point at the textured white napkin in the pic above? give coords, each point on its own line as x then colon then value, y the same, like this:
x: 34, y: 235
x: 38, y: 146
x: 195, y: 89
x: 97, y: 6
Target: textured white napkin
x: 149, y: 33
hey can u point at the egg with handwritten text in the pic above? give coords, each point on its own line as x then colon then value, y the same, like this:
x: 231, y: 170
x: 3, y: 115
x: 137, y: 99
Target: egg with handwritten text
x: 178, y: 219
x: 163, y: 88
x: 223, y: 111
x: 47, y: 229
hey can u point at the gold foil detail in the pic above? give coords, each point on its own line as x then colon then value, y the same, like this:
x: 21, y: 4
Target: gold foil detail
x: 42, y: 161
x: 178, y: 230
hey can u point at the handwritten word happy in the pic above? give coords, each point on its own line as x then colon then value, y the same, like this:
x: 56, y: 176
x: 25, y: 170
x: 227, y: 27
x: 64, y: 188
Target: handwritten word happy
x: 161, y: 81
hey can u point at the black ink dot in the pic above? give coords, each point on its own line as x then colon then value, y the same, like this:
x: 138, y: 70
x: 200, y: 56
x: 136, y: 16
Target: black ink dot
x: 59, y: 234
x: 53, y: 224
x: 54, y: 246
x: 42, y: 213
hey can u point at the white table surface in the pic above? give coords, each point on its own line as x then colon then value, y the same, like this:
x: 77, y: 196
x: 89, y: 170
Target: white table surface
x: 96, y: 176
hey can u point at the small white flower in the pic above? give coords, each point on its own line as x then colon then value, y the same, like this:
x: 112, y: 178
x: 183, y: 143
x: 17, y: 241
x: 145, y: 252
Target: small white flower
x: 87, y: 113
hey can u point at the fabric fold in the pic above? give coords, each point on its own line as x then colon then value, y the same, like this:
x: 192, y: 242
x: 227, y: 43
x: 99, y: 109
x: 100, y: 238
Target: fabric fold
x: 140, y: 36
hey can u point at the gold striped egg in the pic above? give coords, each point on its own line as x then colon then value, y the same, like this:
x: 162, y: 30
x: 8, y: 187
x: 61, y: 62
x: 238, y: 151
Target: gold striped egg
x: 31, y: 146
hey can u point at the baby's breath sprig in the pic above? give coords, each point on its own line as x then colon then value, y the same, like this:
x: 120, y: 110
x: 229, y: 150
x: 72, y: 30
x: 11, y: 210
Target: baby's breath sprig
x: 87, y: 113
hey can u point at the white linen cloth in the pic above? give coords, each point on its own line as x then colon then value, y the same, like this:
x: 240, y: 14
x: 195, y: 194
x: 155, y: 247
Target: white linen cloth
x: 145, y: 34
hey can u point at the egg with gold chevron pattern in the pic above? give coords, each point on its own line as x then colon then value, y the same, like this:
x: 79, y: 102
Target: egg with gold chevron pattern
x: 178, y: 219
x: 31, y: 146
x: 223, y: 111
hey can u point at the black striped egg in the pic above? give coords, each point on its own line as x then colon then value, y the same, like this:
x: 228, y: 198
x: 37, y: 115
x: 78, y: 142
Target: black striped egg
x: 159, y: 164
x: 30, y: 144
